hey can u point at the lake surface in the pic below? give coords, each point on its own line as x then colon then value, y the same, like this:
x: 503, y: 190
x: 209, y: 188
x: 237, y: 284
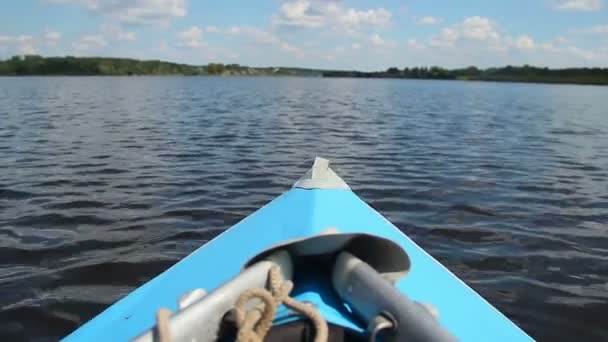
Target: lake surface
x: 106, y: 182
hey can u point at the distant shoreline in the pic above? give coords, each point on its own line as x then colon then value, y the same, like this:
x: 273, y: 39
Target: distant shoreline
x: 33, y: 65
x: 300, y: 76
x: 523, y: 74
x: 487, y: 80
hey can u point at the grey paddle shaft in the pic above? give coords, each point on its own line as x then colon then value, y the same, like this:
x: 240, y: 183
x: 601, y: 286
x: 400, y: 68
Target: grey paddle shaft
x: 375, y: 299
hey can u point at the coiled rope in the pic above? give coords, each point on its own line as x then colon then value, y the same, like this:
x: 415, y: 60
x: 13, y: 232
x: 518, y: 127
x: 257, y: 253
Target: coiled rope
x: 255, y: 323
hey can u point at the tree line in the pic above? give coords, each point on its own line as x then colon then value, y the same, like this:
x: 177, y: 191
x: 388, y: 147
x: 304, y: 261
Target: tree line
x: 509, y: 73
x: 38, y: 65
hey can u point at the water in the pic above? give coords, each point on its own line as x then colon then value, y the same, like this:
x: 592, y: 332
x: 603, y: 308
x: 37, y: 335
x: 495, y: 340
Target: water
x: 106, y: 182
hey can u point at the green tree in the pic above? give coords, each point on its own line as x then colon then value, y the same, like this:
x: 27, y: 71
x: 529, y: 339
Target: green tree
x: 215, y: 68
x: 393, y: 71
x: 5, y: 68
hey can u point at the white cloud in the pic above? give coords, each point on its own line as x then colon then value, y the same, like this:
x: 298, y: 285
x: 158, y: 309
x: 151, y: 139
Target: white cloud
x: 446, y: 37
x: 348, y: 35
x: 319, y: 13
x: 476, y: 29
x: 254, y: 34
x: 212, y: 29
x: 478, y: 35
x: 250, y: 36
x: 26, y: 49
x: 21, y: 44
x: 577, y: 5
x: 378, y: 41
x: 300, y: 13
x: 25, y: 45
x: 5, y: 40
x: 234, y: 30
x: 24, y: 38
x: 479, y: 28
x: 524, y: 42
x: 479, y: 41
x: 115, y: 32
x: 413, y: 43
x: 598, y: 29
x: 252, y: 40
x: 130, y: 36
x: 191, y: 38
x: 257, y: 36
x: 428, y: 20
x: 561, y: 40
x: 95, y: 42
x: 289, y: 48
x: 91, y: 42
x: 51, y: 37
x: 603, y: 29
x: 373, y: 17
x: 581, y: 53
x: 134, y: 11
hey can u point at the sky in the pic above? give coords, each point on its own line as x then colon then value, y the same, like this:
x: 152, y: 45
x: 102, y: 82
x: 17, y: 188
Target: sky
x: 333, y: 34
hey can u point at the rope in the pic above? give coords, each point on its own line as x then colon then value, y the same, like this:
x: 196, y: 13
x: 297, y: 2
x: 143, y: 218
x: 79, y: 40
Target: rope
x: 255, y: 323
x: 162, y: 319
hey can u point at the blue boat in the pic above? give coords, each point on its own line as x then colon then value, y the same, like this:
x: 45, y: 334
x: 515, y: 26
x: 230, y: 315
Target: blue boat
x: 318, y: 203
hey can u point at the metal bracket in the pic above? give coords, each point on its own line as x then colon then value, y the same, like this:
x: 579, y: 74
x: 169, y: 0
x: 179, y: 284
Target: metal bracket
x: 378, y: 325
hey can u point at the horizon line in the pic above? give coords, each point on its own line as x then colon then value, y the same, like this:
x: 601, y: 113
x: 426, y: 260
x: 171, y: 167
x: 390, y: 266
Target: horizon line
x: 23, y: 56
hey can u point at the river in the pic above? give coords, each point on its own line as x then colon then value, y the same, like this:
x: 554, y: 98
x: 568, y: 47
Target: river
x: 107, y: 181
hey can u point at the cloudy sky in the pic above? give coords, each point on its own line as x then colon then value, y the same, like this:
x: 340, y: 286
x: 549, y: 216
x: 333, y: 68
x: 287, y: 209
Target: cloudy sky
x: 355, y: 34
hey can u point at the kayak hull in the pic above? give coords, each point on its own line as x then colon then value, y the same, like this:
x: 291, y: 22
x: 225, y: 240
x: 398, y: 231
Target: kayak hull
x: 295, y: 214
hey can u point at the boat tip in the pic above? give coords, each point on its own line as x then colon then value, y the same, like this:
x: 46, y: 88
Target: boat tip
x: 321, y: 176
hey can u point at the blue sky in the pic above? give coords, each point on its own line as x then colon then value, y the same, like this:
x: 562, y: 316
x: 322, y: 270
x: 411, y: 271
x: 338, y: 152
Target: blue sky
x: 356, y: 34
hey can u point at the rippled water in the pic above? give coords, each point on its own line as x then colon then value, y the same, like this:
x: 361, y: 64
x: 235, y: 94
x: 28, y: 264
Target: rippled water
x: 106, y: 182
